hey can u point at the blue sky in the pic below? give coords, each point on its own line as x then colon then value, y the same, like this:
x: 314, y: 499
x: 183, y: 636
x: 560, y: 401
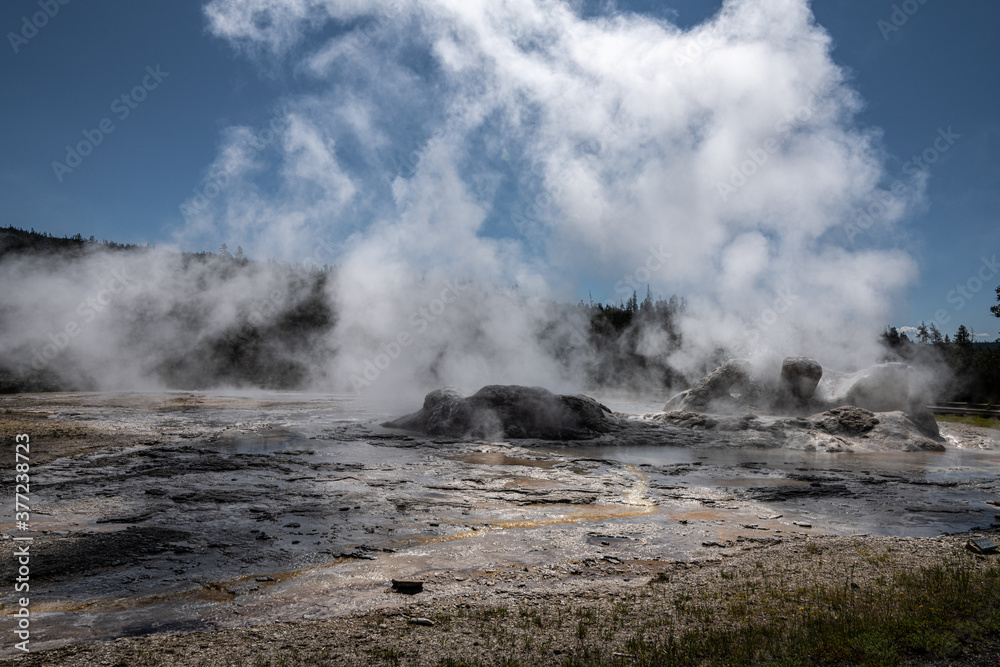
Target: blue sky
x: 934, y: 73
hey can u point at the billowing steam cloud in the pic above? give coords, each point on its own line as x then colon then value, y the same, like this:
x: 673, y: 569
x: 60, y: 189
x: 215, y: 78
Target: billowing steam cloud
x: 442, y: 152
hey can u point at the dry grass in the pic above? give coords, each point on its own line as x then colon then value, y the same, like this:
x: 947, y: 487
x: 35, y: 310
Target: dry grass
x: 816, y: 601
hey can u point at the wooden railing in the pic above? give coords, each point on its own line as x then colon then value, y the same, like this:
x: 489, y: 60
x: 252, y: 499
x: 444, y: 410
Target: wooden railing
x: 966, y: 409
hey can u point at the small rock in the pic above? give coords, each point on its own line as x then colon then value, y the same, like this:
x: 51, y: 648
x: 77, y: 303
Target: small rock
x: 802, y: 524
x: 421, y: 621
x: 982, y: 545
x: 407, y: 587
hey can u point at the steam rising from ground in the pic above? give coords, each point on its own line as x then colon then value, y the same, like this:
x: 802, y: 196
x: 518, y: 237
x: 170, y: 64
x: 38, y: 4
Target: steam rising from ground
x: 442, y: 152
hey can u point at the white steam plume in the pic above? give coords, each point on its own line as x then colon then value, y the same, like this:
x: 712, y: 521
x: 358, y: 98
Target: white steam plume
x: 518, y: 143
x: 732, y: 145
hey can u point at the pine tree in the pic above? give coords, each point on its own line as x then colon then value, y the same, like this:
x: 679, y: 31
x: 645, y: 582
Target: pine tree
x: 647, y: 303
x: 935, y: 334
x: 962, y: 336
x: 891, y: 337
x: 922, y: 334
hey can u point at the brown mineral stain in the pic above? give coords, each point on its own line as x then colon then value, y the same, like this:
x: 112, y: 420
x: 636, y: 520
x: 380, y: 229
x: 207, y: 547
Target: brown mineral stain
x: 567, y: 514
x: 532, y: 483
x: 216, y: 591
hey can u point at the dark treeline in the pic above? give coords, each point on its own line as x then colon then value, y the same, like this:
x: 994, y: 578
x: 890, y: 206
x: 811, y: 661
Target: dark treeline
x: 973, y: 368
x: 626, y: 357
x: 19, y: 241
x: 278, y: 338
x: 273, y: 342
x: 264, y: 347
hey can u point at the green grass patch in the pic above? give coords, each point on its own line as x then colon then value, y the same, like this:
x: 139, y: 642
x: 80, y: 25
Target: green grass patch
x: 982, y: 422
x: 930, y: 612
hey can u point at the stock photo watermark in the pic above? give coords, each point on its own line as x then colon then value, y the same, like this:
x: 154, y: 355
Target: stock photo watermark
x: 758, y: 156
x: 404, y: 164
x: 784, y: 300
x: 965, y: 291
x: 276, y: 300
x: 374, y: 25
x: 31, y: 25
x: 122, y: 107
x: 899, y: 17
x: 881, y: 201
x: 88, y: 311
x: 655, y: 261
x: 532, y: 212
x: 22, y: 550
x: 696, y: 48
x: 419, y: 321
x: 216, y: 181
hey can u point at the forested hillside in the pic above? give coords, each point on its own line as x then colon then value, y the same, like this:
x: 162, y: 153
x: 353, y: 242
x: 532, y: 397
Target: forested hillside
x: 279, y: 320
x: 281, y: 326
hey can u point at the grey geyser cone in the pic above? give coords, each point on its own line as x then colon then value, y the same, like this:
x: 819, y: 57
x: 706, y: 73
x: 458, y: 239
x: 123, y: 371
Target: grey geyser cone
x: 509, y: 411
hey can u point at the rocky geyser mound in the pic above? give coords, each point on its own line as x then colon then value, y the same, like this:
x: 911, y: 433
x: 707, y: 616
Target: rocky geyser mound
x: 510, y: 412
